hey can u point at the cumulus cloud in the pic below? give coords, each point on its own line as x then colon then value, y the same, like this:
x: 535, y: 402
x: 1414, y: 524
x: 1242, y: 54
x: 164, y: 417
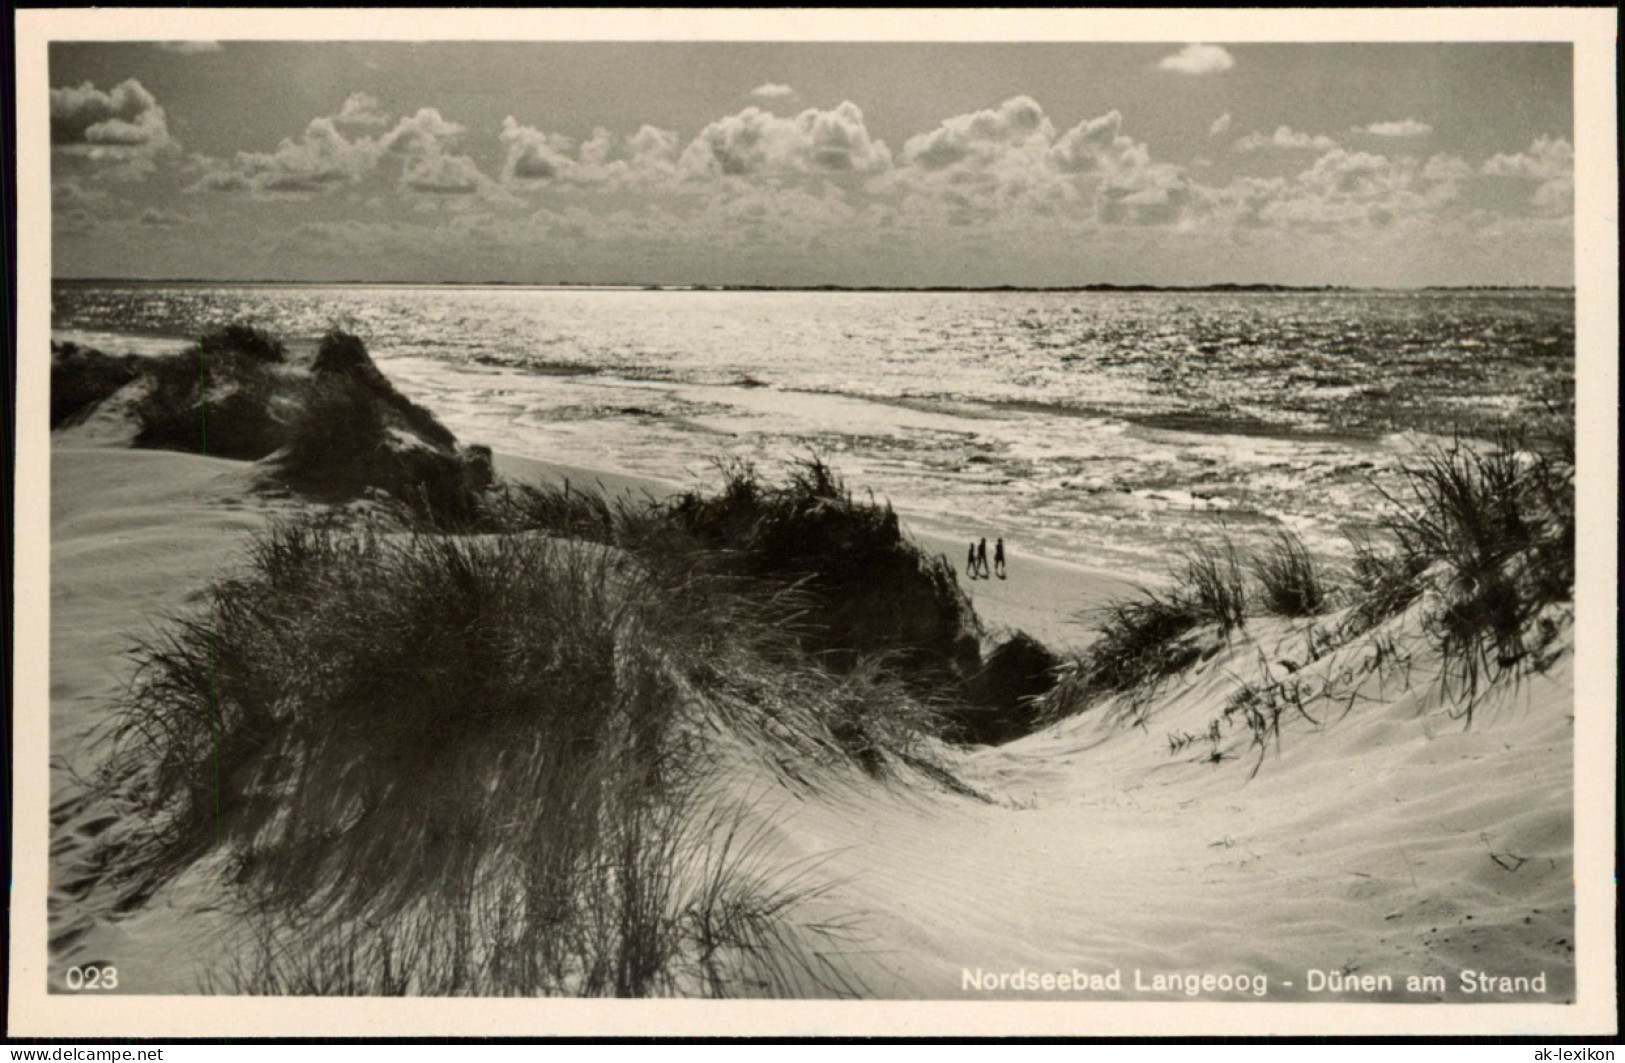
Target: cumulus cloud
x: 983, y: 168
x: 981, y: 137
x: 125, y: 116
x: 1155, y: 196
x: 759, y: 142
x: 320, y: 159
x: 361, y: 109
x: 423, y: 131
x: 650, y: 142
x: 72, y: 194
x: 323, y: 159
x: 1098, y: 145
x: 1129, y: 188
x: 533, y: 155
x: 1342, y: 190
x: 1285, y: 139
x: 1550, y: 161
x: 117, y: 135
x: 1347, y: 172
x: 189, y: 47
x: 1007, y: 167
x: 1405, y: 127
x: 753, y: 144
x: 537, y: 159
x: 442, y: 175
x: 1001, y: 177
x: 772, y: 91
x: 1451, y: 168
x: 216, y: 175
x: 1547, y: 157
x: 1198, y: 59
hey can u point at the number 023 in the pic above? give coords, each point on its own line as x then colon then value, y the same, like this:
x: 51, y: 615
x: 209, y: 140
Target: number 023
x: 90, y: 977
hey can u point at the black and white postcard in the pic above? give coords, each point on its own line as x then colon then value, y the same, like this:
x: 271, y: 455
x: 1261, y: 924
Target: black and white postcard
x: 690, y: 522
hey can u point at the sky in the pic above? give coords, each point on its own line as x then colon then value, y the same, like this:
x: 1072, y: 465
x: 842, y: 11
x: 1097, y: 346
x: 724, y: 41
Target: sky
x: 895, y: 164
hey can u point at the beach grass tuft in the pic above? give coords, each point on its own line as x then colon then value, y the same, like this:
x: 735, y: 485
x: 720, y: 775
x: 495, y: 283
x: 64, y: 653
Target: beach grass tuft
x: 1386, y: 580
x: 1213, y: 583
x: 1288, y: 580
x: 217, y: 403
x: 335, y: 431
x: 1139, y: 643
x: 244, y: 339
x: 1490, y: 531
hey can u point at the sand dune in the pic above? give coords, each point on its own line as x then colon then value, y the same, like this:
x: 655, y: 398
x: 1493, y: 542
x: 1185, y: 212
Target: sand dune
x: 135, y: 535
x: 1369, y: 845
x: 1389, y: 840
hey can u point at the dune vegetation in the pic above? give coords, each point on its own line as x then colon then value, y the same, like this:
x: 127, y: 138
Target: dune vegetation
x: 510, y: 738
x: 470, y: 740
x: 497, y: 715
x: 509, y: 733
x: 494, y: 750
x: 1479, y: 543
x: 332, y: 427
x: 82, y: 377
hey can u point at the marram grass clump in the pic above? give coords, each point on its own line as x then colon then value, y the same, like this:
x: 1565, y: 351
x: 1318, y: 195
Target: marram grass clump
x: 1479, y: 538
x: 866, y: 589
x: 1289, y: 582
x: 1489, y: 530
x: 488, y: 764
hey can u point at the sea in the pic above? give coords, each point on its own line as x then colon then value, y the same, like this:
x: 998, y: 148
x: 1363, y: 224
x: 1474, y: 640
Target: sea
x: 1107, y: 428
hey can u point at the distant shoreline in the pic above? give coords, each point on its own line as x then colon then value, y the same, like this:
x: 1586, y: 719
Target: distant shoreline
x: 1225, y: 288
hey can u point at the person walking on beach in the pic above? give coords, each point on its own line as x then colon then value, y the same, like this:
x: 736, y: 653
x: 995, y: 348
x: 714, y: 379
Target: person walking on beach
x: 970, y: 562
x: 998, y: 557
x: 981, y: 558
